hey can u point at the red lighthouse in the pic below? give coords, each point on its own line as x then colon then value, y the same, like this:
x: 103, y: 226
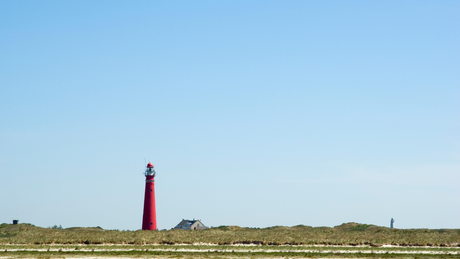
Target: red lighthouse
x: 149, y: 221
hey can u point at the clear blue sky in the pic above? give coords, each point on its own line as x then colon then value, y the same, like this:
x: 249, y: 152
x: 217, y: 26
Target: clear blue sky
x: 255, y: 113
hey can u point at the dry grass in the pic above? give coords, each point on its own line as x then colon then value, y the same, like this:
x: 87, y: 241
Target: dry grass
x: 346, y: 234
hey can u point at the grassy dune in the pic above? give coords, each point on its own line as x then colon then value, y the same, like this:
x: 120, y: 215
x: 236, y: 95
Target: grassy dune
x: 346, y: 234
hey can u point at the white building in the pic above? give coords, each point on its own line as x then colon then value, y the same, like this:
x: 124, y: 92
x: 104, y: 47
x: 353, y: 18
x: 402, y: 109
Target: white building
x: 190, y: 224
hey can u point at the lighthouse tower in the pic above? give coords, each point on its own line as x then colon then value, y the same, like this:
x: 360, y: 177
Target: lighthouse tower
x: 149, y: 221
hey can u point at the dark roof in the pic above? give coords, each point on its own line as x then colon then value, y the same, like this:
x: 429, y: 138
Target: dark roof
x: 186, y: 221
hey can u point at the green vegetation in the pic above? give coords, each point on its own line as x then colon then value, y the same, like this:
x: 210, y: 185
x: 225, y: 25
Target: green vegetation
x: 349, y: 234
x: 349, y: 240
x: 212, y: 254
x: 216, y: 251
x: 56, y: 227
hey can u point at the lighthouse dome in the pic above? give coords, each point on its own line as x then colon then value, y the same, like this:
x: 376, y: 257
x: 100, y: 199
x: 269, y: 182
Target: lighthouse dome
x: 149, y: 165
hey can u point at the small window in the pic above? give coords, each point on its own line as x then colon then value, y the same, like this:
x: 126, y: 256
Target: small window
x: 151, y: 223
x: 150, y: 189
